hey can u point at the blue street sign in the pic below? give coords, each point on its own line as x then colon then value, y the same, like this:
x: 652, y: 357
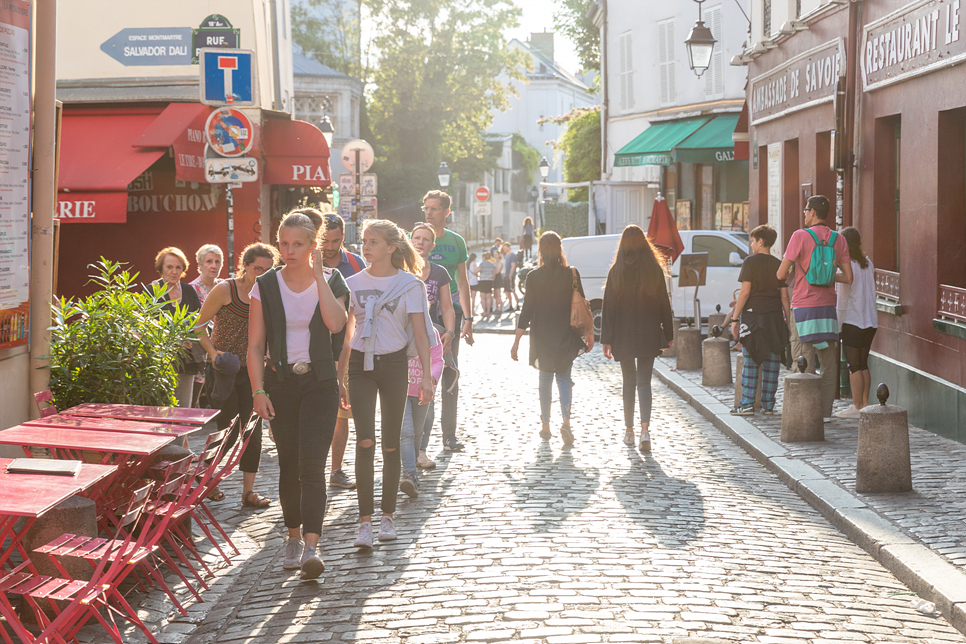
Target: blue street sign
x: 150, y: 46
x: 227, y: 76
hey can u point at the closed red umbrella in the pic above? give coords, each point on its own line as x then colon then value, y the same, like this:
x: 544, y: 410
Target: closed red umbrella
x: 663, y: 230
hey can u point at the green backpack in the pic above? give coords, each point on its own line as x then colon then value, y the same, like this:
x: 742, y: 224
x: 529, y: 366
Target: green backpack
x: 821, y: 268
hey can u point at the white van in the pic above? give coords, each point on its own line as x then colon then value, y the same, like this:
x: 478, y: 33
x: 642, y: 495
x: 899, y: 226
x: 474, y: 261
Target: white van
x: 593, y: 255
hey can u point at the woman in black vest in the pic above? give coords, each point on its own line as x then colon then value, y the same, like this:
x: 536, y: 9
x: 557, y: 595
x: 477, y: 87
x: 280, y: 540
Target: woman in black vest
x: 298, y: 313
x: 636, y: 323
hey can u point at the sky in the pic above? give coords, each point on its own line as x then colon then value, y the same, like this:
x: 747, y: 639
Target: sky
x: 538, y: 16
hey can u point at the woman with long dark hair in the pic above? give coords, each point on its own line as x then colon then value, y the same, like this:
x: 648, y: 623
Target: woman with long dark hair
x: 553, y: 344
x: 636, y: 323
x: 858, y: 321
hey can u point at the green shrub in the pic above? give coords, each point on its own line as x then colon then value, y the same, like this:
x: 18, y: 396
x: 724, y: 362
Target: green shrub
x: 117, y: 345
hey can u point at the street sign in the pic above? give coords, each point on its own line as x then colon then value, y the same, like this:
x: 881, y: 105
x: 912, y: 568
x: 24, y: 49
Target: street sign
x: 368, y: 204
x: 368, y: 187
x: 482, y: 193
x: 345, y: 210
x: 227, y: 77
x: 240, y: 169
x: 366, y: 155
x: 347, y: 185
x: 230, y: 132
x: 150, y: 46
x: 214, y: 31
x: 483, y: 208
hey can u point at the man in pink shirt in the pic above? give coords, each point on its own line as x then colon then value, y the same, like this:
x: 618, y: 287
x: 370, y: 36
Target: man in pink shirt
x: 813, y: 306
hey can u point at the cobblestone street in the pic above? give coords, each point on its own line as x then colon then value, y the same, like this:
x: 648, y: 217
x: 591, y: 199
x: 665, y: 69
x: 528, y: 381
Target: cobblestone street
x: 517, y: 539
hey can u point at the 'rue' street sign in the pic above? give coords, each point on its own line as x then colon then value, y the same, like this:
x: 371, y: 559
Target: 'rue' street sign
x: 214, y: 31
x: 150, y: 46
x: 227, y: 76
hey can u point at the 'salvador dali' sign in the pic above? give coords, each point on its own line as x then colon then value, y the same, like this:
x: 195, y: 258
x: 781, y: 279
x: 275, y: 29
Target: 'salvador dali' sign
x: 920, y: 38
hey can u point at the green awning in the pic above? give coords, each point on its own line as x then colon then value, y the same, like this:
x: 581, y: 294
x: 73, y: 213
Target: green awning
x: 654, y: 146
x: 710, y: 144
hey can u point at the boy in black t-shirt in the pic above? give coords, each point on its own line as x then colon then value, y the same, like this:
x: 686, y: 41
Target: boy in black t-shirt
x: 762, y: 309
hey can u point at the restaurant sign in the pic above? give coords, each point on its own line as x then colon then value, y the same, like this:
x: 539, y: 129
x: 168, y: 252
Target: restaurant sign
x: 919, y: 38
x: 804, y: 81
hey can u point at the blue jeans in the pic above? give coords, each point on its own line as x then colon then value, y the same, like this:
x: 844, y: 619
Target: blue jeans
x: 565, y: 386
x: 411, y: 435
x: 423, y: 440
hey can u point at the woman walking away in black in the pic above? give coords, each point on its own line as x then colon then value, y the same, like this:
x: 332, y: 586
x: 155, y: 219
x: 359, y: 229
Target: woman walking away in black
x: 299, y: 313
x: 392, y: 325
x: 227, y: 305
x: 553, y: 344
x: 636, y: 323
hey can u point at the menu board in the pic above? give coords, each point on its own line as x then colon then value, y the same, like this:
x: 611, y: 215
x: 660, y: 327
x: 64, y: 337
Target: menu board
x: 15, y: 74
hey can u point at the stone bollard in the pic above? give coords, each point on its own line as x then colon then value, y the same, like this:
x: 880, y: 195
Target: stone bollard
x: 883, y: 462
x: 716, y: 360
x: 75, y: 515
x: 739, y: 371
x: 689, y: 348
x: 802, y: 407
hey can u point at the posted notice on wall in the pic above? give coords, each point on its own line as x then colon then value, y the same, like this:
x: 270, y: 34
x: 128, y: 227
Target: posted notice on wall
x: 15, y: 75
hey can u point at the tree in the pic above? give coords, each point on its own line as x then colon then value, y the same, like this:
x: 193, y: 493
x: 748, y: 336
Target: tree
x: 440, y: 67
x: 328, y: 31
x: 572, y: 21
x: 580, y: 142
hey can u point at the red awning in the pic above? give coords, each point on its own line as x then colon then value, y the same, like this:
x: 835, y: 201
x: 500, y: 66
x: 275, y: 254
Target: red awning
x: 295, y: 154
x: 740, y: 136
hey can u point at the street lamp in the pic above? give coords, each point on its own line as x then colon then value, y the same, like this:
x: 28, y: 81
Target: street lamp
x: 328, y: 132
x: 700, y: 44
x: 443, y: 174
x: 544, y: 168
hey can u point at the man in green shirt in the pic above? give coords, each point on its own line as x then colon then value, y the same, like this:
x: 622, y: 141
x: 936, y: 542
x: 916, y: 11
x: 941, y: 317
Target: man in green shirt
x: 450, y: 253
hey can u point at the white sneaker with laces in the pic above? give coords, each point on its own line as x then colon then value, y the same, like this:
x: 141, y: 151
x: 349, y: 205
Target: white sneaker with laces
x: 848, y: 412
x: 387, y: 529
x: 425, y: 462
x: 293, y: 554
x: 364, y: 540
x: 312, y: 565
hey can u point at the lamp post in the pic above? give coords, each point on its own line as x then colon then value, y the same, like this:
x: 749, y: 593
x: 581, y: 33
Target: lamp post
x: 700, y: 44
x: 328, y: 132
x: 544, y: 172
x: 443, y: 174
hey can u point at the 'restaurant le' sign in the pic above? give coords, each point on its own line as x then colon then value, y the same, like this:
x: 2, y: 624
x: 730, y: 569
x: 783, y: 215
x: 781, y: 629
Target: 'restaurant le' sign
x: 803, y: 81
x: 919, y: 38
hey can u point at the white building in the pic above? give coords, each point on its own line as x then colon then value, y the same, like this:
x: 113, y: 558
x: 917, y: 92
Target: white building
x: 663, y: 128
x: 549, y: 91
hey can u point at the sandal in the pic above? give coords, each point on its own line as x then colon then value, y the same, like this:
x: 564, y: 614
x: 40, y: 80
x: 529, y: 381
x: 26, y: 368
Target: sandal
x: 251, y: 500
x: 216, y: 495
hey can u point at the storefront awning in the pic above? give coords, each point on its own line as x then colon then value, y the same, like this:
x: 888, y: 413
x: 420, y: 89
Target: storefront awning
x: 712, y: 143
x: 295, y: 154
x: 654, y: 145
x: 98, y: 160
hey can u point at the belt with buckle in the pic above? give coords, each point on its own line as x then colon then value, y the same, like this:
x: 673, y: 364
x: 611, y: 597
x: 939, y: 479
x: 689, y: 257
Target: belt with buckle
x: 300, y: 368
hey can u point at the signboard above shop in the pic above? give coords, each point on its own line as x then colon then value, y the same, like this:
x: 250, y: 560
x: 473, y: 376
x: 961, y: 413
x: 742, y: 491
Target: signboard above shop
x: 919, y: 38
x: 804, y: 81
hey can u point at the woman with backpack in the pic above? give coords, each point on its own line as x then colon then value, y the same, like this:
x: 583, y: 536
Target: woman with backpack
x: 858, y: 322
x: 553, y: 344
x: 298, y: 316
x: 636, y: 323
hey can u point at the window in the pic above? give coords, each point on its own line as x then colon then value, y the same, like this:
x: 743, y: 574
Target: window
x: 714, y: 77
x: 665, y: 44
x: 766, y: 18
x: 886, y: 198
x: 719, y: 249
x: 626, y: 70
x: 951, y: 201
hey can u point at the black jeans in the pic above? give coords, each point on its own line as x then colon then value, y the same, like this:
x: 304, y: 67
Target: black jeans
x: 239, y: 402
x: 305, y: 415
x: 389, y: 379
x: 637, y: 380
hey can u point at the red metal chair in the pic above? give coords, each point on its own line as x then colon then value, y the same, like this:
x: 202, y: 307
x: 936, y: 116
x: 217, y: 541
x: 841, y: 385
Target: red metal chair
x: 116, y: 559
x: 40, y: 399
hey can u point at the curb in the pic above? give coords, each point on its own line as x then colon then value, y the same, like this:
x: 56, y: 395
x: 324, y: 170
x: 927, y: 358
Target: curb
x: 915, y: 565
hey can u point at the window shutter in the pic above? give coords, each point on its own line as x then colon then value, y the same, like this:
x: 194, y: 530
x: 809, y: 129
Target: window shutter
x: 662, y: 58
x: 622, y: 52
x: 669, y: 39
x: 629, y: 57
x: 718, y: 60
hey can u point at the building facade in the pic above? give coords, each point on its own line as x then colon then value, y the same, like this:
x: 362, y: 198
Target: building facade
x: 832, y: 88
x: 663, y: 128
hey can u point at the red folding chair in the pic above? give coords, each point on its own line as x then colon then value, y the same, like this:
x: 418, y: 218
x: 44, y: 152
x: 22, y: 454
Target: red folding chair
x: 45, y: 403
x: 116, y: 559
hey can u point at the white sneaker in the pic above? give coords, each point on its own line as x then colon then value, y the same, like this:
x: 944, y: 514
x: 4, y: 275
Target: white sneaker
x: 848, y: 412
x: 312, y: 565
x: 364, y: 540
x: 387, y: 529
x: 425, y: 462
x: 293, y: 554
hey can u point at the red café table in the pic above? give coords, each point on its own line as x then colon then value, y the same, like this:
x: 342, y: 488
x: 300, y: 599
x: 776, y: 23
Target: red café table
x: 179, y: 415
x: 30, y: 495
x: 114, y: 425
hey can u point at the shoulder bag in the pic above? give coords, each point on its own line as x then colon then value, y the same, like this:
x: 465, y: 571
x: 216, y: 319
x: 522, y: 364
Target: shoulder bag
x: 581, y: 319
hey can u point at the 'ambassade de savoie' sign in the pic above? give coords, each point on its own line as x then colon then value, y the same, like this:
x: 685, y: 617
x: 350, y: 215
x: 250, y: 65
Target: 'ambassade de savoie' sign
x: 919, y: 38
x: 801, y: 82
